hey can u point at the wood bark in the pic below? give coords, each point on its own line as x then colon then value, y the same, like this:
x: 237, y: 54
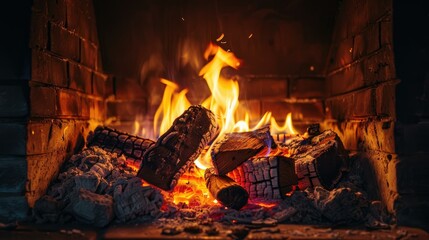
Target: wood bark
x: 228, y: 192
x: 267, y: 177
x: 166, y: 160
x: 319, y: 160
x: 235, y: 148
x: 115, y: 141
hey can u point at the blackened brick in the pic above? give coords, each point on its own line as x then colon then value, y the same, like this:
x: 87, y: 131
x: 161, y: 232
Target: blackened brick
x: 356, y: 104
x: 129, y: 88
x: 126, y: 110
x: 64, y: 43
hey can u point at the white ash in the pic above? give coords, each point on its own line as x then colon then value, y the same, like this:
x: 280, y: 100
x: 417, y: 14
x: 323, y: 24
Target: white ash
x: 97, y: 187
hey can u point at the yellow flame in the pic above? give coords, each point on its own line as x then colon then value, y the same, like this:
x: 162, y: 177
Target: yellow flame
x: 223, y: 102
x: 172, y: 105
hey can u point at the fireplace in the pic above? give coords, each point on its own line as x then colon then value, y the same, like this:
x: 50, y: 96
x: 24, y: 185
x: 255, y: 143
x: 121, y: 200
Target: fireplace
x: 356, y: 67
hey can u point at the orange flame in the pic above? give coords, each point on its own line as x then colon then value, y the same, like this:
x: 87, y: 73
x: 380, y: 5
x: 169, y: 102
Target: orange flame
x: 223, y: 102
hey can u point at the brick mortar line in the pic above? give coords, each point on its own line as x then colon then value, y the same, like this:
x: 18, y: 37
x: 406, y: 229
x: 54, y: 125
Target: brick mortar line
x: 392, y: 81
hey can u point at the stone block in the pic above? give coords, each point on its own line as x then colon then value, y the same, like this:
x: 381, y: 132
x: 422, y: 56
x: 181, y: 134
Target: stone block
x: 14, y: 143
x: 13, y: 207
x: 13, y: 174
x: 13, y: 100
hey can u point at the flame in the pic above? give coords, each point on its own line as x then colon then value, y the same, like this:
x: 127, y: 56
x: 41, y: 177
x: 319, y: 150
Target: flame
x: 223, y: 102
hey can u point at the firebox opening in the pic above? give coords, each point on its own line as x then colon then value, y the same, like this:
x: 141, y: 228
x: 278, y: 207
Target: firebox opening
x: 333, y: 63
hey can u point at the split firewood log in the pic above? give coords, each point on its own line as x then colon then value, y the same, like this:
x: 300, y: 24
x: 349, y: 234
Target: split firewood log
x: 267, y: 177
x: 112, y: 140
x: 228, y: 192
x: 235, y: 148
x: 174, y: 152
x: 320, y: 160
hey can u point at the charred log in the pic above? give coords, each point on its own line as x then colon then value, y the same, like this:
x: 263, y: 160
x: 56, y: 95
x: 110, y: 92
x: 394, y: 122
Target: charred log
x: 235, y: 148
x: 319, y: 160
x: 112, y: 140
x: 228, y: 192
x: 268, y: 177
x: 166, y: 160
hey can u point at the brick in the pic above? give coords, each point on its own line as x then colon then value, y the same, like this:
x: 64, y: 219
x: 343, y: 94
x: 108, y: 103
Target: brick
x: 80, y: 77
x: 57, y: 11
x: 13, y: 208
x: 310, y: 111
x: 359, y: 17
x: 345, y: 80
x: 412, y: 138
x: 386, y: 33
x: 366, y: 135
x: 258, y: 88
x: 409, y: 174
x: 99, y: 81
x: 356, y: 104
x: 64, y: 42
x: 88, y: 53
x: 68, y: 103
x: 380, y: 66
x: 58, y: 72
x: 42, y: 102
x: 13, y: 174
x: 48, y: 69
x: 39, y: 31
x: 86, y: 104
x: 40, y: 7
x: 98, y: 110
x: 110, y: 86
x: 386, y: 99
x: 126, y: 110
x: 307, y: 88
x: 367, y: 41
x: 377, y: 9
x: 15, y: 138
x: 129, y: 88
x: 342, y: 53
x: 13, y: 100
x: 47, y: 136
x: 252, y: 107
x: 81, y: 18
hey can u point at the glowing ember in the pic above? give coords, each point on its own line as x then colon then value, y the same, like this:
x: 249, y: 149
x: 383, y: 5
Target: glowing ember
x: 223, y: 102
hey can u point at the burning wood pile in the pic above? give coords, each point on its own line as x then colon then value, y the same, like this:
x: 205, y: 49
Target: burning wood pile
x: 256, y: 179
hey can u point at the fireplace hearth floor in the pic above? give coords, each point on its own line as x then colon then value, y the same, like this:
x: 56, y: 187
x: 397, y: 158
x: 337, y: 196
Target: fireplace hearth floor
x: 154, y: 231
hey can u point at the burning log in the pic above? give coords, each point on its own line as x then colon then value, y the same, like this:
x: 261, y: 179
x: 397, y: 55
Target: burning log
x: 268, y: 177
x: 235, y: 148
x: 228, y: 192
x: 166, y: 160
x: 319, y: 160
x: 112, y: 140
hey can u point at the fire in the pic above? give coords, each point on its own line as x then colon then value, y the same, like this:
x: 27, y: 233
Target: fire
x: 223, y: 102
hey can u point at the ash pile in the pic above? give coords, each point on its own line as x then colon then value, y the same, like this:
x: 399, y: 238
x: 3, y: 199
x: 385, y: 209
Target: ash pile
x: 259, y: 180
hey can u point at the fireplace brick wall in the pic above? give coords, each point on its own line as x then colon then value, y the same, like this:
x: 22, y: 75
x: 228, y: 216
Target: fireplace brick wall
x: 361, y: 83
x: 67, y: 89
